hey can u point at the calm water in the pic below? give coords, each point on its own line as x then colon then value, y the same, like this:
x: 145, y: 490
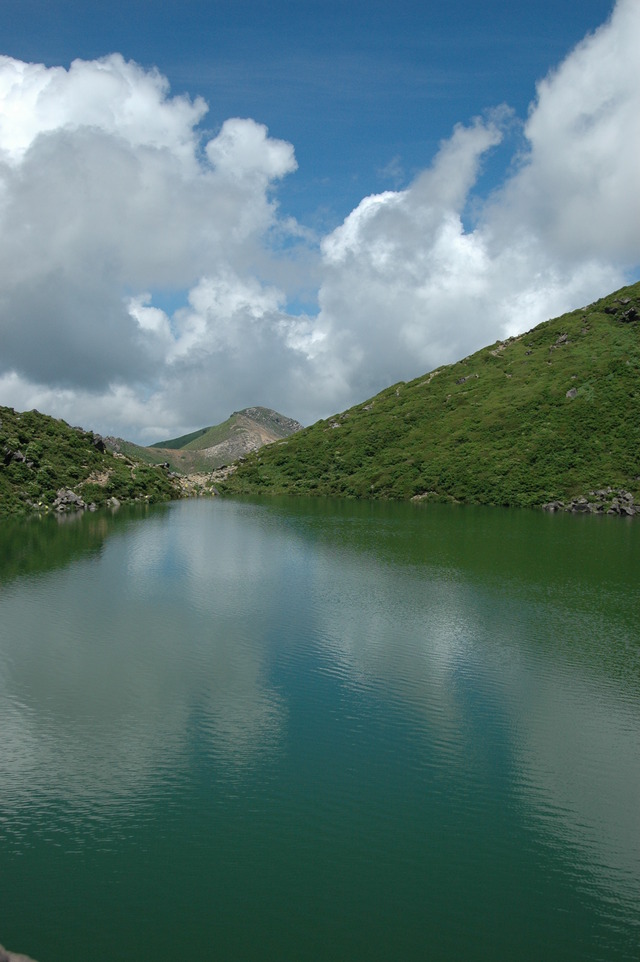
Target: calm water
x: 303, y: 730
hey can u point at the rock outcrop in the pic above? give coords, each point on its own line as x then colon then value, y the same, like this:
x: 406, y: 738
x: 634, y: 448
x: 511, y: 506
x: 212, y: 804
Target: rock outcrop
x: 68, y: 500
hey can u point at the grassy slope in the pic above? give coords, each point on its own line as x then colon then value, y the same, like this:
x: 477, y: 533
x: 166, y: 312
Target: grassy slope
x: 181, y: 460
x: 506, y: 434
x: 176, y: 443
x: 58, y: 456
x: 216, y: 434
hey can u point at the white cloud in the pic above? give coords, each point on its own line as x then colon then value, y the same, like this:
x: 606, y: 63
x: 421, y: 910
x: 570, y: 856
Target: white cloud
x: 578, y: 189
x: 243, y: 149
x: 419, y: 288
x: 110, y: 201
x: 104, y: 197
x: 111, y: 94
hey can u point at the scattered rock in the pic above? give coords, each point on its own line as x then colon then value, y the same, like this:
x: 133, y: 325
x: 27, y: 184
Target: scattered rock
x: 68, y: 500
x: 600, y: 501
x: 580, y: 505
x: 427, y: 380
x: 572, y: 392
x: 201, y: 484
x: 11, y: 455
x: 221, y: 474
x: 628, y: 316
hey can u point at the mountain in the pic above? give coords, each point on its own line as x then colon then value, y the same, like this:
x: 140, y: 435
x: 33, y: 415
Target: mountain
x: 220, y: 444
x: 47, y: 465
x: 552, y: 415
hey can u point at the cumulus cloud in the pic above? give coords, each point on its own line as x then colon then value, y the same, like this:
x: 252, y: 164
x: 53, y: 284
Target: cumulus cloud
x: 421, y: 289
x: 105, y: 196
x: 113, y: 203
x: 578, y: 189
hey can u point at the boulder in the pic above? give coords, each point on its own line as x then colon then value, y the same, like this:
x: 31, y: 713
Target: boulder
x: 66, y: 500
x: 580, y: 505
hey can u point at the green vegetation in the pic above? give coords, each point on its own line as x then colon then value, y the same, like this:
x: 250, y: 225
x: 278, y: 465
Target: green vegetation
x: 40, y: 455
x: 136, y: 452
x: 182, y: 442
x: 550, y: 414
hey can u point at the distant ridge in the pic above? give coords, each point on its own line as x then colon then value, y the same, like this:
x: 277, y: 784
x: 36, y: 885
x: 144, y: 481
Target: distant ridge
x: 549, y: 417
x: 265, y: 420
x: 212, y: 447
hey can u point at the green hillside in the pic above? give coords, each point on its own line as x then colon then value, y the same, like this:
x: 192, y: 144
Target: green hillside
x: 205, y: 437
x: 182, y: 460
x: 176, y: 443
x: 47, y: 465
x: 550, y: 414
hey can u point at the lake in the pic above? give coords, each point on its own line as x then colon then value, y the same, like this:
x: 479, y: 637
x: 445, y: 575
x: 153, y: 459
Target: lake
x: 317, y: 730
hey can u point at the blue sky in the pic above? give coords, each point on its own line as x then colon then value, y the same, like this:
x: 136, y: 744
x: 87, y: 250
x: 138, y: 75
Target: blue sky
x: 406, y: 183
x: 363, y: 90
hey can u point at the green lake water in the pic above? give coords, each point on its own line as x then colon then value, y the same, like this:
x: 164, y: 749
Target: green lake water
x: 311, y: 730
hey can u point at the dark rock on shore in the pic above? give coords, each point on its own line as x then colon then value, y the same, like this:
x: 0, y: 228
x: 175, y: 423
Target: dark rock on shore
x: 601, y: 501
x: 68, y: 500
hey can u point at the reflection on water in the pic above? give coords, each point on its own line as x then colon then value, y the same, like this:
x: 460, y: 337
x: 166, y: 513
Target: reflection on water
x: 104, y: 666
x: 368, y: 689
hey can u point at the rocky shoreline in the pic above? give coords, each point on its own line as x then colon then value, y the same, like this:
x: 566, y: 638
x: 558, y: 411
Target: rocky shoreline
x: 602, y: 501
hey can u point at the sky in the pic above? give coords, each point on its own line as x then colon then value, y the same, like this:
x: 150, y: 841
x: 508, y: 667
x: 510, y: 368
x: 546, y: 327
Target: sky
x: 211, y: 205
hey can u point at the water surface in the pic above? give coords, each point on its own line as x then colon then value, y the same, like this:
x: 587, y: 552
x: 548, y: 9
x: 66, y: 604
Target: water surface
x: 315, y: 730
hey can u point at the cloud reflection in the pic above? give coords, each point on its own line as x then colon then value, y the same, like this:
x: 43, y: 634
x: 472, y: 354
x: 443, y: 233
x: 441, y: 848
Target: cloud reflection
x: 176, y: 631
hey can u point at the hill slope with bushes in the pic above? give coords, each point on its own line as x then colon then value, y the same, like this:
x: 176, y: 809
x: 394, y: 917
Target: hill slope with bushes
x: 47, y: 465
x: 553, y: 414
